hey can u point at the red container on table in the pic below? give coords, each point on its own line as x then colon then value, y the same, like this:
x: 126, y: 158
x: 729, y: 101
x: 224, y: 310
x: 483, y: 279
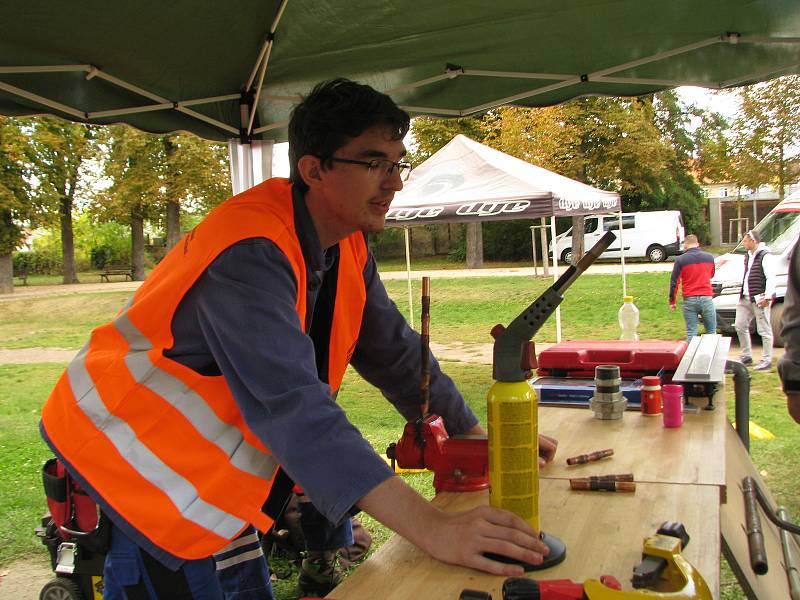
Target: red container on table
x: 651, y: 395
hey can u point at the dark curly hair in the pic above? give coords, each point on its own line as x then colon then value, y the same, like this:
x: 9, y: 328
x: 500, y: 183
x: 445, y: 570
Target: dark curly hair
x: 335, y: 112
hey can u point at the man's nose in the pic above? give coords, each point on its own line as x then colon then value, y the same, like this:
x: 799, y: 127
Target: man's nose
x: 394, y: 181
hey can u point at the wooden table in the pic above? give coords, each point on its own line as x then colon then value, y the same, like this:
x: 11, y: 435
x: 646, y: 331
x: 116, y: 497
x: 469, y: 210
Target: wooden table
x: 680, y: 476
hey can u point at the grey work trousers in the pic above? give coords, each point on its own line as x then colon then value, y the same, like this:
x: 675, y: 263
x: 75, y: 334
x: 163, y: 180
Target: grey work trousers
x: 745, y: 311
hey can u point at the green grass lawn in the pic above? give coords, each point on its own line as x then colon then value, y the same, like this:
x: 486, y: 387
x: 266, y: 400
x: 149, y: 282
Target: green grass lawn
x: 461, y: 310
x: 467, y: 309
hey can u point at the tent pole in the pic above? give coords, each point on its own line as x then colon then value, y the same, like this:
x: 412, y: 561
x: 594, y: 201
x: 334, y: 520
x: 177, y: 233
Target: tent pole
x: 533, y: 247
x: 555, y: 274
x: 408, y: 277
x: 543, y: 239
x: 622, y: 253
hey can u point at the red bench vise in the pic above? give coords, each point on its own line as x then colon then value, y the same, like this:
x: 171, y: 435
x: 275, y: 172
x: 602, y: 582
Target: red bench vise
x: 459, y: 463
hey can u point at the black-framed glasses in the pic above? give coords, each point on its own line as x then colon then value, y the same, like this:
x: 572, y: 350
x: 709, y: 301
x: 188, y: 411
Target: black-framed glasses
x: 380, y: 166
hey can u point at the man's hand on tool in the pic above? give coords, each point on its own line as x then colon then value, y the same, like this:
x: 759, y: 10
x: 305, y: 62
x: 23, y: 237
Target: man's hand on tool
x: 458, y: 538
x: 547, y: 449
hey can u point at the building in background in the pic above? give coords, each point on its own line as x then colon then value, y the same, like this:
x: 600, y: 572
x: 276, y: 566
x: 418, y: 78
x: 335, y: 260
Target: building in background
x: 732, y: 210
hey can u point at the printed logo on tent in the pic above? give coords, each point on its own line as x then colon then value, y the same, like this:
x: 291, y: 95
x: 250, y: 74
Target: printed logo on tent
x: 592, y: 204
x: 441, y: 184
x: 409, y: 214
x: 486, y: 209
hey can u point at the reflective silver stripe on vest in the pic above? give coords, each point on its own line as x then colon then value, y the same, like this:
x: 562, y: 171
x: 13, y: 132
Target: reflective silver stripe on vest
x: 182, y: 493
x: 191, y: 405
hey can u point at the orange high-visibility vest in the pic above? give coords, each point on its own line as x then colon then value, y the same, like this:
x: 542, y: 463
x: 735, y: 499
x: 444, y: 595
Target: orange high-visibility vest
x: 167, y: 447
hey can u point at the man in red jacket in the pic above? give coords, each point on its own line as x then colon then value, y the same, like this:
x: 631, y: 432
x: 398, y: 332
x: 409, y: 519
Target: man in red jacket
x: 694, y: 270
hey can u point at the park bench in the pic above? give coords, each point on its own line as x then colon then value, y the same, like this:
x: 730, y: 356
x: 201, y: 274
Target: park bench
x: 110, y: 270
x: 22, y: 275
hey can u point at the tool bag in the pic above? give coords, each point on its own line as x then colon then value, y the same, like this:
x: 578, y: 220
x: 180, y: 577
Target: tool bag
x: 74, y: 515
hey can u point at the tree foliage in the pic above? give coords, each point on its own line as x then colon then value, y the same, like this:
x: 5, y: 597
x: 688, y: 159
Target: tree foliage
x: 59, y: 151
x: 14, y: 190
x: 16, y: 205
x: 431, y: 135
x: 151, y: 176
x: 766, y: 134
x: 713, y: 159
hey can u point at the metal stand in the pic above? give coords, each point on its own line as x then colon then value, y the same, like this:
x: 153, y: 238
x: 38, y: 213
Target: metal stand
x: 702, y: 367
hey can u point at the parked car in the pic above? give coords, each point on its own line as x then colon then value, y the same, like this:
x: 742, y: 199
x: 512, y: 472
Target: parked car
x: 779, y: 230
x: 655, y: 235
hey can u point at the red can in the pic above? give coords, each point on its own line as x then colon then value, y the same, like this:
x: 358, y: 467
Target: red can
x: 651, y: 395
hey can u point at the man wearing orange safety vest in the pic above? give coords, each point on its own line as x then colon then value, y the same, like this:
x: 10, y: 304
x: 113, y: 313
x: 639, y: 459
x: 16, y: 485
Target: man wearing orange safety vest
x: 189, y: 416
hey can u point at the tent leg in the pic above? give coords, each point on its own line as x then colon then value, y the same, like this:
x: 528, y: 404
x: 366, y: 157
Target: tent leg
x: 250, y: 164
x: 555, y: 275
x: 408, y: 277
x: 622, y: 254
x: 543, y: 238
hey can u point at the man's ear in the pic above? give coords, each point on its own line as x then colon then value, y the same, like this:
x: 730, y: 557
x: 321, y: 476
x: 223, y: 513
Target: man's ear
x: 310, y: 169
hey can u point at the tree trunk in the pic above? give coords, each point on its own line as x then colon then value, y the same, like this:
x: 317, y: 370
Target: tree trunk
x: 137, y: 245
x: 69, y: 270
x: 6, y: 274
x: 173, y: 223
x: 474, y: 246
x: 173, y: 207
x: 577, y: 240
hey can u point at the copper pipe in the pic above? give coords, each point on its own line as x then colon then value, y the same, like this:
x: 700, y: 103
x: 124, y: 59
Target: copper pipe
x: 425, y: 369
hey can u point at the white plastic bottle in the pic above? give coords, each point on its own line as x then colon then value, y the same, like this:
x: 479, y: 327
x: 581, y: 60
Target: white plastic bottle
x: 628, y: 319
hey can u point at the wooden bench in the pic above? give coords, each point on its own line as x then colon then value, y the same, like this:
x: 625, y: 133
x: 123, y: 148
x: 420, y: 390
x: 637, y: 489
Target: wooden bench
x: 22, y: 275
x: 109, y: 270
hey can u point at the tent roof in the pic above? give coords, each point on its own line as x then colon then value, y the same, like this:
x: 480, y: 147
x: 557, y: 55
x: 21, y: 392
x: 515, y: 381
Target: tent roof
x: 184, y: 65
x: 468, y: 181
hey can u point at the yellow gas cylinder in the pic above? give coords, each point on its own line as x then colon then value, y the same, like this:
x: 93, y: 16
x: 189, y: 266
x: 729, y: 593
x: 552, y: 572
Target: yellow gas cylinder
x: 514, y: 449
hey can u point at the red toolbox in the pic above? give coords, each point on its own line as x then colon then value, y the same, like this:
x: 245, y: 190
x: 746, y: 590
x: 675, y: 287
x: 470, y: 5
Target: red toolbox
x: 578, y: 358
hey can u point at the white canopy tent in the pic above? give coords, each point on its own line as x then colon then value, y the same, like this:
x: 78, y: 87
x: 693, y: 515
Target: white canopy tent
x: 466, y: 181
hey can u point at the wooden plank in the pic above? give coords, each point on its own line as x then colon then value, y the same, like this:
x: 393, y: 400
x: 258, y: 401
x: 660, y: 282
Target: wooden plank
x: 690, y: 454
x: 773, y: 584
x: 603, y: 533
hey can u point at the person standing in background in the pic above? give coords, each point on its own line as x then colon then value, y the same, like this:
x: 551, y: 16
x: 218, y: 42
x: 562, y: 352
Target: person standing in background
x: 789, y: 364
x: 758, y: 288
x: 693, y: 270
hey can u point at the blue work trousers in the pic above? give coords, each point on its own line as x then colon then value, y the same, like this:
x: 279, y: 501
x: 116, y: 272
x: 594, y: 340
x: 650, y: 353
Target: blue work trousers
x: 237, y: 572
x: 702, y: 306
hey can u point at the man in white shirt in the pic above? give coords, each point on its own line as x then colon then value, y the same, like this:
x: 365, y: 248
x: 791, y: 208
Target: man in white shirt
x: 758, y: 289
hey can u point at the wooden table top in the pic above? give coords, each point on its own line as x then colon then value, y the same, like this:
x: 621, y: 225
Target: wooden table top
x: 692, y: 453
x: 680, y: 475
x: 603, y: 533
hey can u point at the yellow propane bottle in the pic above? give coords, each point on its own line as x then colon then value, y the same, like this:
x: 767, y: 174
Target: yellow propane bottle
x: 513, y: 408
x: 513, y: 449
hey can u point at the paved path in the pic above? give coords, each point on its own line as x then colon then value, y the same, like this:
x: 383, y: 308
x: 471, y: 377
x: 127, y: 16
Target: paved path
x: 475, y: 353
x: 38, y: 291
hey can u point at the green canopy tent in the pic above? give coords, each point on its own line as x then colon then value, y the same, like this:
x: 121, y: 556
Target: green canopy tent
x: 233, y: 70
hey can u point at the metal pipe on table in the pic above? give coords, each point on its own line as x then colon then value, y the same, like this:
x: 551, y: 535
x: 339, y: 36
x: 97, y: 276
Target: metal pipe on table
x: 752, y: 524
x: 741, y: 394
x: 789, y: 559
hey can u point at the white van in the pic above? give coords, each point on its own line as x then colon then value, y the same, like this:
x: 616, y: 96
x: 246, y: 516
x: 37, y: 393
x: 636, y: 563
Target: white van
x: 655, y: 235
x: 779, y: 231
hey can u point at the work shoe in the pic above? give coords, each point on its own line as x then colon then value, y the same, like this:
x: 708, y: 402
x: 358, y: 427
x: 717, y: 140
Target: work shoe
x: 764, y: 365
x: 320, y: 572
x: 746, y: 360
